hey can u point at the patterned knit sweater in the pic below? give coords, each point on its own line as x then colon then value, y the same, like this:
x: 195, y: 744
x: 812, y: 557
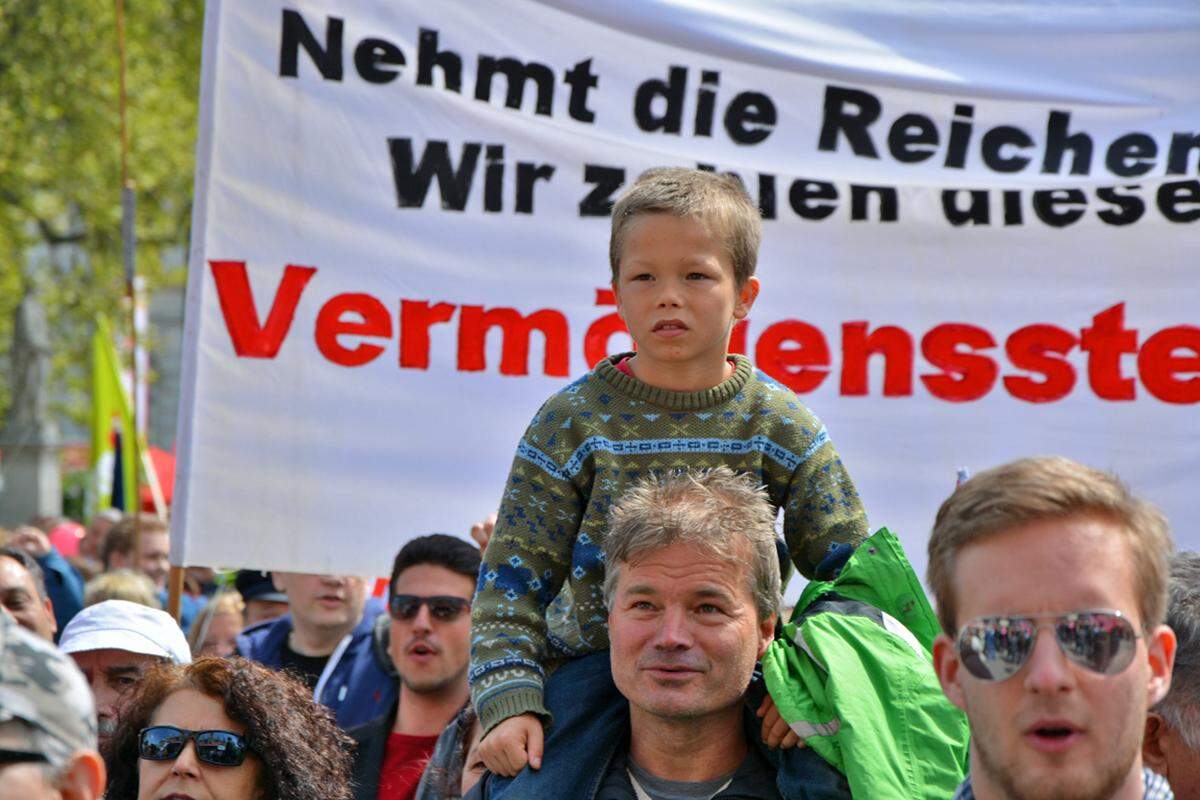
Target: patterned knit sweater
x: 585, y: 445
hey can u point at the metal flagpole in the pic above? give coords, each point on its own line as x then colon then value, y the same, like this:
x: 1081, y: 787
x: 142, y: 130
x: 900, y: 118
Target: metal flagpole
x: 128, y: 252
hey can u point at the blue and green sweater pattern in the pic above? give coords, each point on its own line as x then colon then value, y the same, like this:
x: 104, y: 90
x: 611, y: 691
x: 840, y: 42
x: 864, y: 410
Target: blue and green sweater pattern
x: 588, y: 443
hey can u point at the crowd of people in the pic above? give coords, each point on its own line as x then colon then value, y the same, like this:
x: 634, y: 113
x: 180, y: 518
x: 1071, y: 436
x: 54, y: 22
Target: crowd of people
x: 616, y: 632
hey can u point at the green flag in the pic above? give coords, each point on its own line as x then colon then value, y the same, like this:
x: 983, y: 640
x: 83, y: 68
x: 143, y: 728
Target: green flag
x: 111, y: 406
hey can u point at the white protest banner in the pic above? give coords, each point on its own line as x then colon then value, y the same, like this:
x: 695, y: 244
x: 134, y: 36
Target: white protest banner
x: 981, y: 239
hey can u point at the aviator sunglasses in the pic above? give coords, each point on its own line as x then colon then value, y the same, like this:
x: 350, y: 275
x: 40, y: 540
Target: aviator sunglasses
x: 995, y: 648
x: 441, y: 607
x: 166, y: 742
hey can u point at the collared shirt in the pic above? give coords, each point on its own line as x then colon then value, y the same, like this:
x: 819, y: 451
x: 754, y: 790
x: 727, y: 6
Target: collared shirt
x: 1156, y: 787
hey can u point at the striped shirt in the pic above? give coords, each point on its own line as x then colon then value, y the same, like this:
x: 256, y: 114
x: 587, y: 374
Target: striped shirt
x: 1156, y: 787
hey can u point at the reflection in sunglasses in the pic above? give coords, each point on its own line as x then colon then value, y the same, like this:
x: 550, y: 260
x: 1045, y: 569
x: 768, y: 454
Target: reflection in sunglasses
x: 166, y: 742
x: 995, y: 648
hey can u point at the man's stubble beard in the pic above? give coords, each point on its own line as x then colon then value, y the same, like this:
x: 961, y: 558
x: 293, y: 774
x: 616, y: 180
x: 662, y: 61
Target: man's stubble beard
x: 435, y: 685
x: 1098, y: 783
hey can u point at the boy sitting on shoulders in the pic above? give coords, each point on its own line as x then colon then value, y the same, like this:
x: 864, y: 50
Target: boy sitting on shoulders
x: 683, y: 251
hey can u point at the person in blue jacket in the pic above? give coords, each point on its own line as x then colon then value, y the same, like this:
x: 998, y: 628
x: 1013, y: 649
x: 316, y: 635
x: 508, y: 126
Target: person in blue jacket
x: 328, y: 639
x: 64, y: 584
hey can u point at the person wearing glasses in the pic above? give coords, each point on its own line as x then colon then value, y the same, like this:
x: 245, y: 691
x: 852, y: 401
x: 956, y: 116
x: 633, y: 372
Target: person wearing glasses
x: 226, y: 729
x: 1051, y: 586
x: 429, y: 599
x: 48, y: 746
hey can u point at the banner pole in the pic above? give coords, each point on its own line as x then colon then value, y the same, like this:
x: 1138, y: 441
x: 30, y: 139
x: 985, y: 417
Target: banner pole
x: 174, y: 591
x: 128, y: 245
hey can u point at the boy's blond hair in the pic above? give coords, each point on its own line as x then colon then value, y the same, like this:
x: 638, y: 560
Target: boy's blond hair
x: 720, y: 202
x: 1047, y: 488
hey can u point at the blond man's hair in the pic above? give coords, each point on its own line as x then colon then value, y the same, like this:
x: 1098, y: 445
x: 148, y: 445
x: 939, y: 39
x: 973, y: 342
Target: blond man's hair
x: 723, y: 512
x: 719, y: 202
x: 121, y: 584
x: 1048, y: 488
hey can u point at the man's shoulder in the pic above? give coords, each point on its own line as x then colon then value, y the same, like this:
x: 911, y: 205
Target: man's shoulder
x: 372, y: 730
x: 766, y: 392
x: 263, y: 641
x: 586, y: 390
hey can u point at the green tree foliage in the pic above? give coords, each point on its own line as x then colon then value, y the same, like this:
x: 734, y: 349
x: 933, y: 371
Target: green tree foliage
x: 60, y: 184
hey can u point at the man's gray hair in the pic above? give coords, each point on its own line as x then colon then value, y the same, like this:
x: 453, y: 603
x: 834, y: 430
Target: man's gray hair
x: 726, y: 513
x: 1181, y: 707
x: 31, y: 566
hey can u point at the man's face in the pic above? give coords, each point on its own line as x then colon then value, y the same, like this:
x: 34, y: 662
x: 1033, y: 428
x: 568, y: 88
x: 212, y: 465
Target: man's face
x: 1167, y: 751
x: 221, y: 637
x: 155, y: 562
x: 685, y: 633
x: 93, y: 539
x: 22, y: 779
x: 112, y: 675
x: 323, y: 602
x: 19, y: 597
x: 1055, y: 728
x: 676, y: 291
x: 26, y: 780
x: 431, y: 654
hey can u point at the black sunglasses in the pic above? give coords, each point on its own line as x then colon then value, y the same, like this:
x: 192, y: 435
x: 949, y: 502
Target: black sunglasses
x: 166, y: 742
x: 8, y: 756
x: 443, y: 608
x: 995, y: 648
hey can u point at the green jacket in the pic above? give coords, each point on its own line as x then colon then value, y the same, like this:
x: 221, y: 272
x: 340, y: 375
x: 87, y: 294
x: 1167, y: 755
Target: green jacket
x: 853, y: 676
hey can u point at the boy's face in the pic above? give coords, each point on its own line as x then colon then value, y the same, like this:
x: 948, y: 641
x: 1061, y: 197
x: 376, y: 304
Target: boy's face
x: 676, y: 291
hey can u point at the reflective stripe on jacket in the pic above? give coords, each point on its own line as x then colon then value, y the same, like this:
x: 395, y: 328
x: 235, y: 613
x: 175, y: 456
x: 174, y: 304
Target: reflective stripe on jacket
x: 853, y: 676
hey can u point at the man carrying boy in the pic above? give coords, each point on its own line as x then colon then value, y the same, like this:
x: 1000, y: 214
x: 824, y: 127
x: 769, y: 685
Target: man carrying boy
x: 683, y: 251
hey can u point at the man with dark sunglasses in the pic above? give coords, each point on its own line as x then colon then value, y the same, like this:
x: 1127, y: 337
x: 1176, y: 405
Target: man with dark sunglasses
x: 47, y: 722
x: 1051, y: 586
x: 429, y: 598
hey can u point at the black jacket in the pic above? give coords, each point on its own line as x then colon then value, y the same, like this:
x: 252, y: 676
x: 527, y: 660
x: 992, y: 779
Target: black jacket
x: 370, y: 745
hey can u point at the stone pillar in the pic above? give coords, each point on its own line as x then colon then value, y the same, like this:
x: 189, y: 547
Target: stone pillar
x: 30, y: 464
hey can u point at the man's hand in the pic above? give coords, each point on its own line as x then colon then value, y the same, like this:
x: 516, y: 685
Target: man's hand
x: 509, y: 746
x: 481, y: 532
x: 775, y: 732
x: 32, y: 540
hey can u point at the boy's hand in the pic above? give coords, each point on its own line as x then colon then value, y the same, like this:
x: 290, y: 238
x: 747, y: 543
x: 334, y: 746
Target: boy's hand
x: 513, y: 743
x: 775, y: 732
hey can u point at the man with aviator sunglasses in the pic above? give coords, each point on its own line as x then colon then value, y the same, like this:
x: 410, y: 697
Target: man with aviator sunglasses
x: 429, y: 597
x: 1051, y: 587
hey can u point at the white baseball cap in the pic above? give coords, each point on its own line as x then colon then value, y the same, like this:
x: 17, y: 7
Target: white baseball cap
x: 122, y: 625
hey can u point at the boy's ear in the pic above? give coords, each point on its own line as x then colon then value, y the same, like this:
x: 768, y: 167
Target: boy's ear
x: 617, y: 294
x: 746, y: 297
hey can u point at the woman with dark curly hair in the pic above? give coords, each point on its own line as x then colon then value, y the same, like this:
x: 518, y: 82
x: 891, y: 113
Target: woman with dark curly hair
x: 226, y: 729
